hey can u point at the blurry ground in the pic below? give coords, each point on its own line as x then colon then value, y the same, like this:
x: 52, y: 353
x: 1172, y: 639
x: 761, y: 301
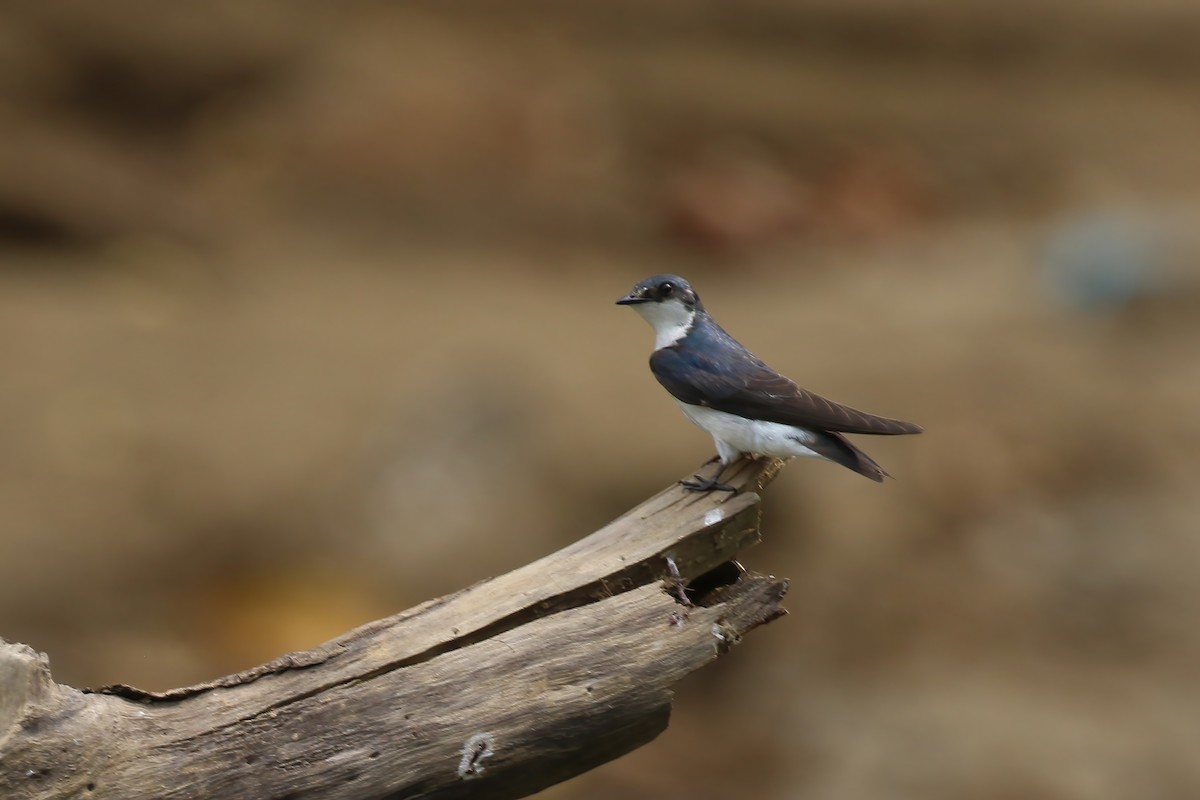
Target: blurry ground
x: 306, y: 316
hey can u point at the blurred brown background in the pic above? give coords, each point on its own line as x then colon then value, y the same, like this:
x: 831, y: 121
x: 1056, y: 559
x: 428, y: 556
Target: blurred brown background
x: 306, y: 316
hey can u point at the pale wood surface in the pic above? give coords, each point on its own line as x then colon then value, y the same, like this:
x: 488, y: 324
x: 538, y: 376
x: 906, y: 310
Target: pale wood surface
x: 498, y: 690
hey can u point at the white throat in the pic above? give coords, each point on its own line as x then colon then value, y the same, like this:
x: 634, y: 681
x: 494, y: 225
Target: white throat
x: 671, y: 321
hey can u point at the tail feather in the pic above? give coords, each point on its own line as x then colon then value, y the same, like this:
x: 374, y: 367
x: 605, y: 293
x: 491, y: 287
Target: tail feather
x: 838, y: 449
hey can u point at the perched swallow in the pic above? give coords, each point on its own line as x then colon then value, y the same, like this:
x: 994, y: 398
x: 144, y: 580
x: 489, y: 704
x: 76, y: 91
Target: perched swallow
x: 745, y: 405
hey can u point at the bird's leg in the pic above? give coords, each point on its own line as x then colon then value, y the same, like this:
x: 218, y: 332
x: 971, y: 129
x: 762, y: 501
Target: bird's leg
x: 709, y: 484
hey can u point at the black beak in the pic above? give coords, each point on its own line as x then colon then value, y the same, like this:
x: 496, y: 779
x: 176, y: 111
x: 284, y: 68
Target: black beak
x: 632, y: 299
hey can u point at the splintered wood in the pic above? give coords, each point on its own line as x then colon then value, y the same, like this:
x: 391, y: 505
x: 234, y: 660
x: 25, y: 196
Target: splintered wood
x: 497, y: 691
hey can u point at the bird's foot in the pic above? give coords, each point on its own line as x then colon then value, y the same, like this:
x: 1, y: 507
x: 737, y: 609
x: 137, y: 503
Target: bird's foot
x: 712, y: 484
x: 706, y: 485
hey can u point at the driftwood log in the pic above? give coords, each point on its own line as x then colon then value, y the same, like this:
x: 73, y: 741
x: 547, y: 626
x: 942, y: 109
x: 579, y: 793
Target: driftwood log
x: 497, y: 691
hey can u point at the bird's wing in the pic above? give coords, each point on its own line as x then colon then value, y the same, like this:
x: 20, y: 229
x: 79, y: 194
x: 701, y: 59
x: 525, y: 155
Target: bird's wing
x: 739, y: 383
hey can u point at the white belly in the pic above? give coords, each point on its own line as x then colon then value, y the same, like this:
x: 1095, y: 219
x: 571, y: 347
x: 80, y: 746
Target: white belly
x: 735, y: 435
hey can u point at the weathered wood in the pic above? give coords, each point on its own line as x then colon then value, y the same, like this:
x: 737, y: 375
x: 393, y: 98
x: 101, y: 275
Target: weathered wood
x: 496, y: 691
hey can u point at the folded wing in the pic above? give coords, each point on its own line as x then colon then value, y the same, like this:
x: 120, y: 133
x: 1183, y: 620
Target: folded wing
x: 740, y: 383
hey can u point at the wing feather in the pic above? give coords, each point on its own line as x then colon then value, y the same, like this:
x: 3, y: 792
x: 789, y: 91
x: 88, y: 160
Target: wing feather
x: 740, y: 383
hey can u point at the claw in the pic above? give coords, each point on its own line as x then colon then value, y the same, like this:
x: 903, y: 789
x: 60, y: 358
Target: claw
x: 712, y: 484
x: 706, y: 485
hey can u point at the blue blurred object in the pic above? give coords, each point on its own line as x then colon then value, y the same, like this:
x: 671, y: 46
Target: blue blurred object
x: 1100, y: 263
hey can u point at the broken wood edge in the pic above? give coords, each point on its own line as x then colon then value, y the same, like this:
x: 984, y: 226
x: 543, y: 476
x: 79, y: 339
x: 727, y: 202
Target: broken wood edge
x: 718, y: 525
x: 749, y: 476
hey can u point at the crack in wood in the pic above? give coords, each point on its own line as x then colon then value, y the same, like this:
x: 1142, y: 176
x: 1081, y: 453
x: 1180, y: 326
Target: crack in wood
x: 568, y: 662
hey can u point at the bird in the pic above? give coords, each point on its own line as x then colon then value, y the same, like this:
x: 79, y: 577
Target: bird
x: 746, y: 406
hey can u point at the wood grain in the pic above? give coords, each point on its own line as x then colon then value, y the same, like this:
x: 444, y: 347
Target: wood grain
x: 498, y: 690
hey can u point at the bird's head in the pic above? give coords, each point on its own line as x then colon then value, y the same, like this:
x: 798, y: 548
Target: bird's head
x: 668, y: 303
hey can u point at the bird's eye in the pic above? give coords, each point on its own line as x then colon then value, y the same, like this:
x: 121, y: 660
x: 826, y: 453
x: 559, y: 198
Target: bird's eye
x: 665, y: 289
